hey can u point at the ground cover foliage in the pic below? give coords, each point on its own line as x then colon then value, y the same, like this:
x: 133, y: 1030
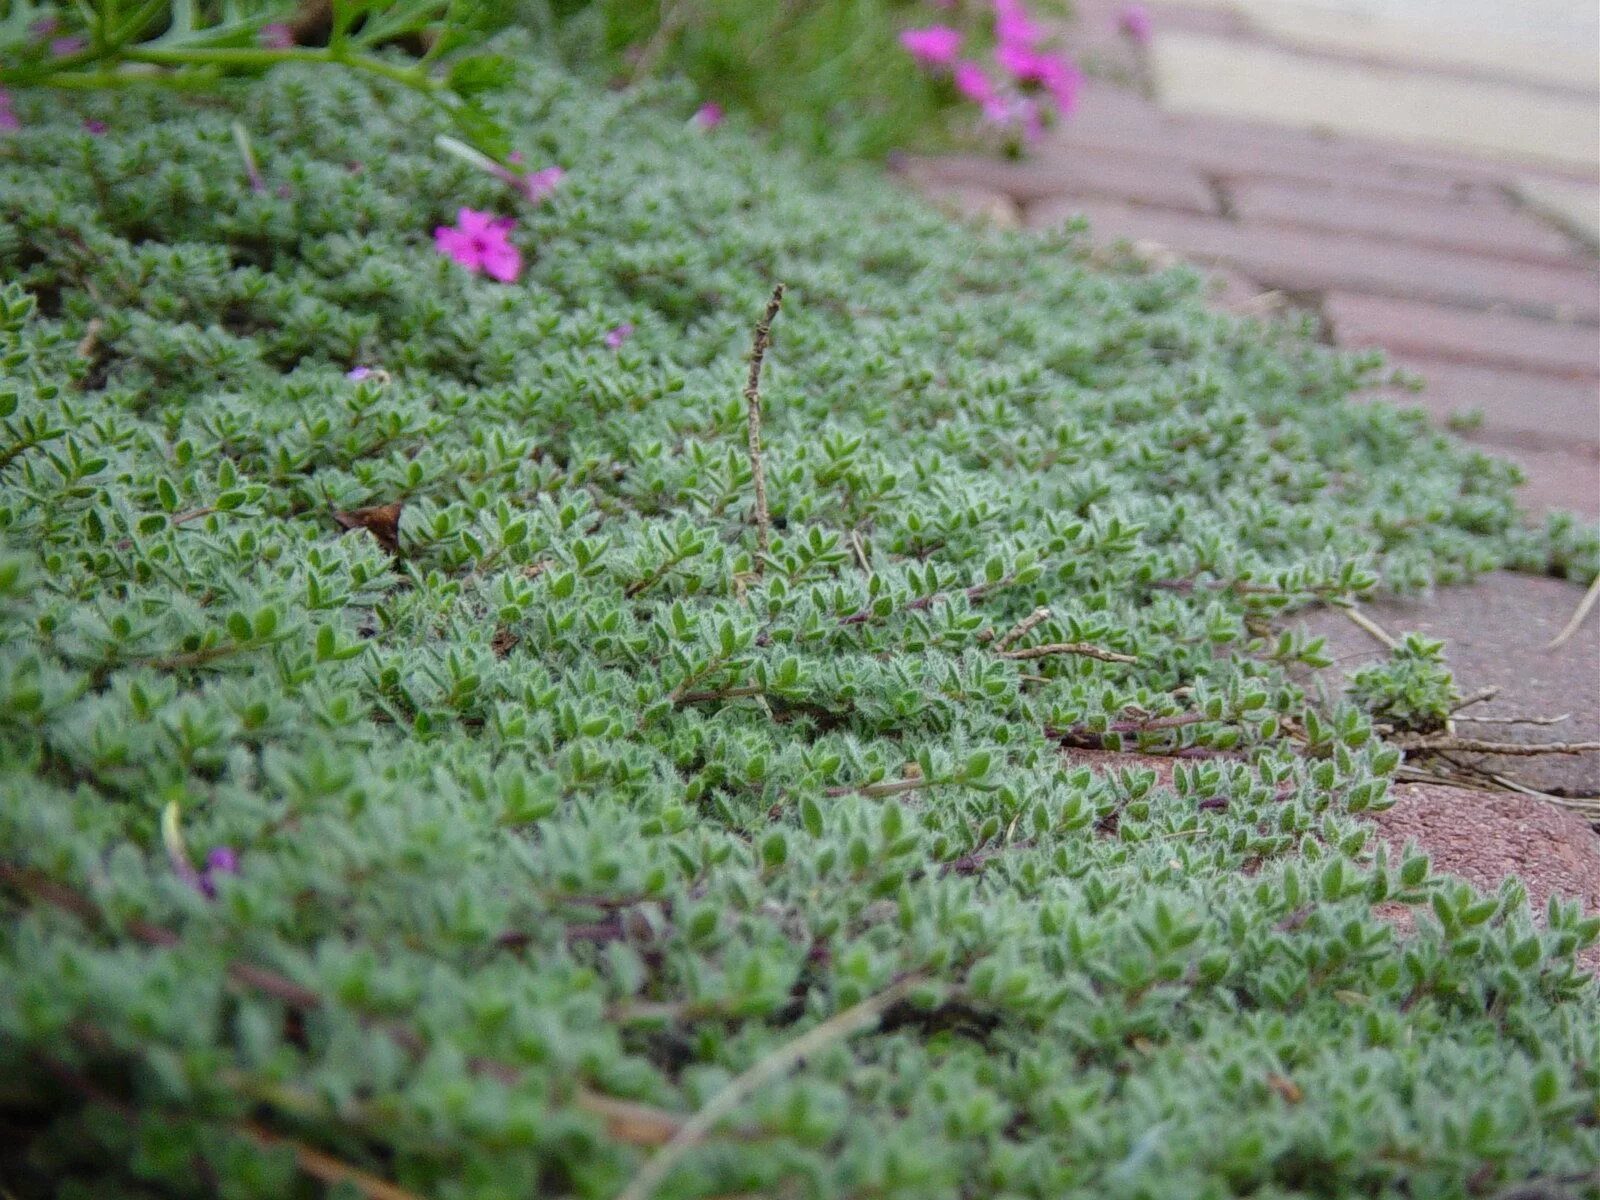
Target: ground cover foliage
x: 470, y: 848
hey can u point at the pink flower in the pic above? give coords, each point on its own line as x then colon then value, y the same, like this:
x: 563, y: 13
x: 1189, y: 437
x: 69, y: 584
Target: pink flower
x: 1056, y: 75
x: 357, y: 374
x: 95, y: 127
x: 44, y: 27
x: 540, y: 185
x: 515, y: 158
x: 63, y: 46
x: 708, y: 116
x: 481, y: 241
x: 972, y: 83
x: 8, y: 119
x: 1013, y: 26
x: 935, y: 46
x: 614, y: 338
x: 276, y: 36
x: 1018, y: 113
x: 1134, y: 21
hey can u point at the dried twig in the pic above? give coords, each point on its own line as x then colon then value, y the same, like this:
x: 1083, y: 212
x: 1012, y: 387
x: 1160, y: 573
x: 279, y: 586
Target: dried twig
x: 327, y: 1169
x: 922, y: 603
x: 1518, y: 720
x: 1364, y: 622
x: 1587, y: 806
x: 1080, y: 648
x: 876, y: 791
x: 1023, y: 627
x: 1578, y: 616
x: 1475, y: 746
x: 1090, y: 739
x: 1477, y: 697
x: 775, y: 1063
x: 752, y: 399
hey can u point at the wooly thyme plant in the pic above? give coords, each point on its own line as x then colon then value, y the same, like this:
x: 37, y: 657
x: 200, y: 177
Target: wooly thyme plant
x: 420, y: 784
x: 1414, y: 690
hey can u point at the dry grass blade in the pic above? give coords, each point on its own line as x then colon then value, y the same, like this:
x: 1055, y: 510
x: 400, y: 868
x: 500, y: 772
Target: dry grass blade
x: 1364, y: 622
x: 1578, y: 616
x: 770, y: 1066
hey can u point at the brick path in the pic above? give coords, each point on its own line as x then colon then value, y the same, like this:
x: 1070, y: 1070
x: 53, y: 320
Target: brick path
x: 1476, y: 272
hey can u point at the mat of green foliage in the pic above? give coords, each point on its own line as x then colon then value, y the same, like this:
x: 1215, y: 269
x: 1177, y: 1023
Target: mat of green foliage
x: 556, y: 821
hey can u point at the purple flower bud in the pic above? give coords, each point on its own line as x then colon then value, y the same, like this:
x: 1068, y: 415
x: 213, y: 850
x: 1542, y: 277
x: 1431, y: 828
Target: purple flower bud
x: 224, y: 859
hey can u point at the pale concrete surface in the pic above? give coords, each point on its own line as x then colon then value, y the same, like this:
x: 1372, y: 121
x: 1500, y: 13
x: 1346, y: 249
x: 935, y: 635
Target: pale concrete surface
x: 1552, y: 42
x: 1573, y: 205
x: 1255, y: 81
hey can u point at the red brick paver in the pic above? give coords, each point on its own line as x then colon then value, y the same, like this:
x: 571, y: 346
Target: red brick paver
x: 1490, y: 339
x: 1309, y: 261
x: 1488, y: 228
x: 1518, y: 408
x: 1132, y: 176
x: 1424, y: 253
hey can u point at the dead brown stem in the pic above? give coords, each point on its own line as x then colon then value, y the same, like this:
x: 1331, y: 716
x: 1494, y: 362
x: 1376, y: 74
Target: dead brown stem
x: 752, y: 399
x: 1084, y: 649
x: 1022, y: 628
x: 1476, y: 746
x: 325, y: 1168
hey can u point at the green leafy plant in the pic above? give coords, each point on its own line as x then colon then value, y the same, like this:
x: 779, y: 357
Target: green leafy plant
x: 1413, y: 690
x: 415, y: 773
x: 118, y: 44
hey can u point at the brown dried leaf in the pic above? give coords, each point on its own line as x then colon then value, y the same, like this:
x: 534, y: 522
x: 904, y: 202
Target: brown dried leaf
x: 1285, y: 1087
x: 382, y: 521
x: 628, y: 1122
x: 503, y: 642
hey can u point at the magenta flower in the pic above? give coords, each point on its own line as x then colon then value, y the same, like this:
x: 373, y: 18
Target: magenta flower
x: 95, y: 127
x: 972, y: 83
x: 1058, y: 76
x: 481, y: 241
x: 935, y: 46
x: 1013, y: 26
x: 357, y: 374
x: 1134, y: 21
x: 538, y: 186
x: 43, y: 28
x: 614, y: 338
x: 8, y: 119
x: 708, y: 116
x: 63, y: 46
x: 276, y: 36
